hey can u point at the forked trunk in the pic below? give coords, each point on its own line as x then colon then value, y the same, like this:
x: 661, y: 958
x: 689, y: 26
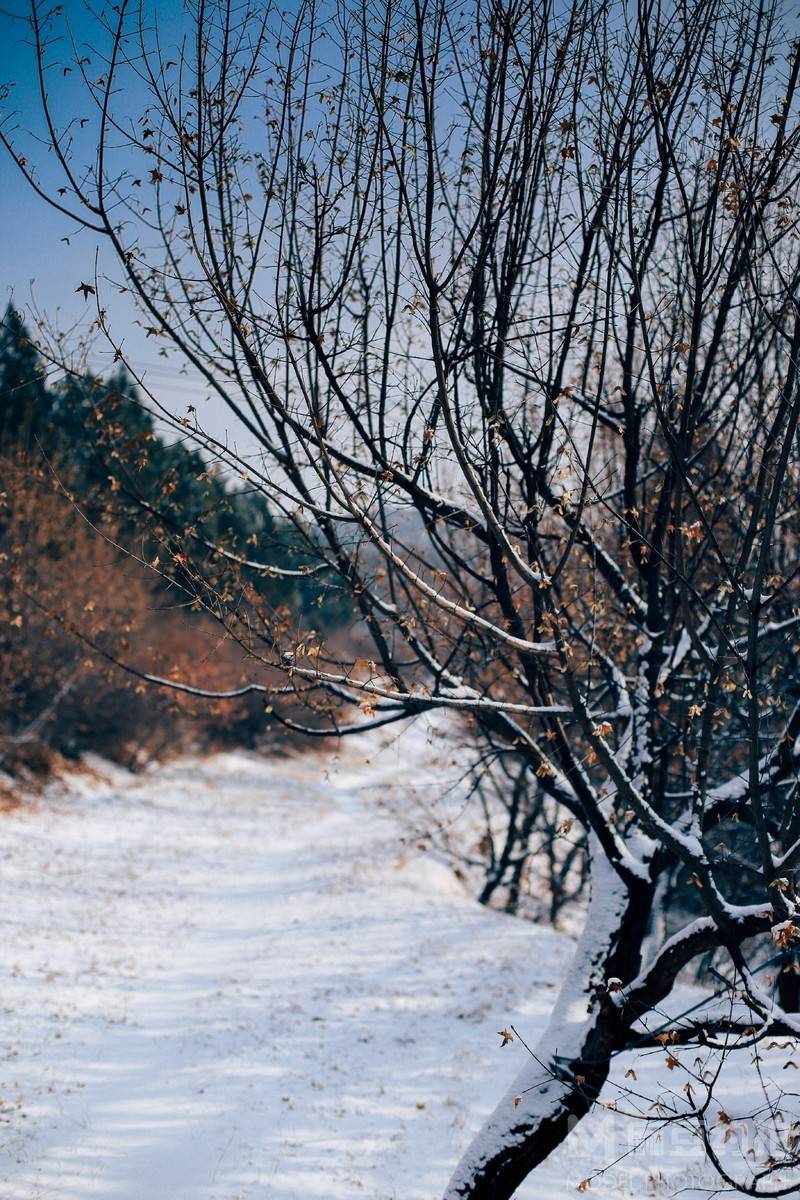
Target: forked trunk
x: 570, y: 1063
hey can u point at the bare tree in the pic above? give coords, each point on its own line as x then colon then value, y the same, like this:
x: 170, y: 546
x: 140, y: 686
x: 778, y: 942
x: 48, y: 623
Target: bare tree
x: 502, y: 298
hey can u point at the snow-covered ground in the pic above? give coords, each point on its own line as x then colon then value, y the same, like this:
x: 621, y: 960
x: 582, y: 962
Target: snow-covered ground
x: 234, y: 978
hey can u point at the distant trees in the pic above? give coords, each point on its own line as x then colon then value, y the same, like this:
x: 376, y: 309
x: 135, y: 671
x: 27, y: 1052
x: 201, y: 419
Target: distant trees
x: 505, y: 295
x: 84, y: 474
x: 101, y: 442
x: 25, y: 403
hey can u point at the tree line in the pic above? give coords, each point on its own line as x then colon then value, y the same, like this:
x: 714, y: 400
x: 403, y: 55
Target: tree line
x: 84, y: 472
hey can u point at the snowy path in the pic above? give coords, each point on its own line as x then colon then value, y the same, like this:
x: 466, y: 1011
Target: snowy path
x: 232, y: 979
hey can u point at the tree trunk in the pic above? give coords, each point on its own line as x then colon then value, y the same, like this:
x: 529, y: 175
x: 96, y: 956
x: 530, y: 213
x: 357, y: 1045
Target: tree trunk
x: 560, y: 1082
x: 789, y: 983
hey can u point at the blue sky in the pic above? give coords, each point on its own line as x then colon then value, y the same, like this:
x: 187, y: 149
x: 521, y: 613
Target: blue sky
x: 31, y: 249
x: 39, y: 269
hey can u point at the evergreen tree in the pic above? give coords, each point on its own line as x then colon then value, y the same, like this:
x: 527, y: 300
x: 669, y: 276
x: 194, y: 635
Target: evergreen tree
x: 25, y: 402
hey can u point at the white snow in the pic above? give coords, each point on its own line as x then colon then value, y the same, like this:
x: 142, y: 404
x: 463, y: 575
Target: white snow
x: 235, y: 978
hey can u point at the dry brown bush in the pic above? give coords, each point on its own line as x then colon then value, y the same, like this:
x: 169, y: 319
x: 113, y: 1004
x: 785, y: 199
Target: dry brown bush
x: 70, y: 603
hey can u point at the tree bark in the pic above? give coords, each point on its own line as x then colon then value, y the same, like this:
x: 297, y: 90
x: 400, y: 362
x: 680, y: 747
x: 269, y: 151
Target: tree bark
x: 569, y: 1065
